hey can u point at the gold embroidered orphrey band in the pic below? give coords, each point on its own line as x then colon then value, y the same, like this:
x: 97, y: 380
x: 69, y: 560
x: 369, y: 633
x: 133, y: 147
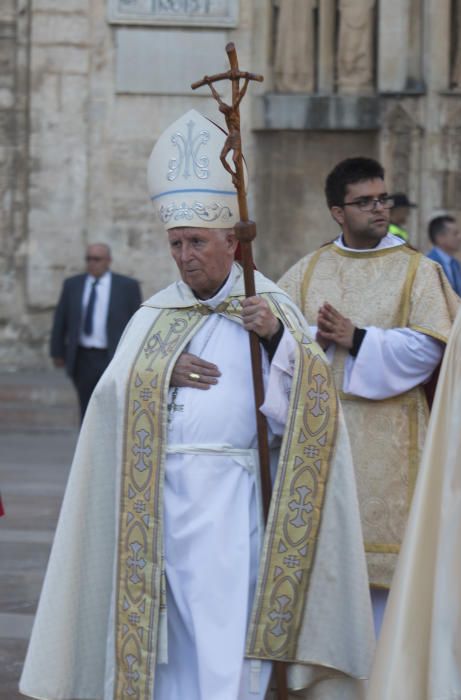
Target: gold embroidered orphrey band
x: 296, y: 508
x: 294, y: 520
x: 139, y: 595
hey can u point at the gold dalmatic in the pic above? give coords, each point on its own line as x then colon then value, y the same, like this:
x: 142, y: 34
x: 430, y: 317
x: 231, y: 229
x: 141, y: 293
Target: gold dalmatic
x: 296, y: 507
x: 387, y: 288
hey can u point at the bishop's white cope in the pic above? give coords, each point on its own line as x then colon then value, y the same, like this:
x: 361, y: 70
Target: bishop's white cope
x: 212, y: 539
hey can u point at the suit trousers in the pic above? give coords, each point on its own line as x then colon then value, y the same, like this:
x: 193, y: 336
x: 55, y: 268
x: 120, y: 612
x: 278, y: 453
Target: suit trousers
x: 89, y: 367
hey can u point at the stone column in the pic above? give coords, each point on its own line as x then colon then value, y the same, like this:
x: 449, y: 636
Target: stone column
x: 393, y: 39
x: 415, y: 45
x: 455, y: 68
x: 436, y: 54
x: 101, y: 119
x: 16, y: 330
x: 326, y: 63
x: 435, y: 165
x: 58, y: 147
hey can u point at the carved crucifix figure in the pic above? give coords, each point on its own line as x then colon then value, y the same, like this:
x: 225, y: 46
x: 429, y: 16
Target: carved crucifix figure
x: 231, y: 115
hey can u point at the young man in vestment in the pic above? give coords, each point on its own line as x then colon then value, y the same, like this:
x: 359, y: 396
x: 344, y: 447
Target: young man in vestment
x: 383, y: 312
x: 162, y: 583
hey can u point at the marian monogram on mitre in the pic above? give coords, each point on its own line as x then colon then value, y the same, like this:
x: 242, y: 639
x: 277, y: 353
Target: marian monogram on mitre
x: 187, y: 182
x: 188, y: 154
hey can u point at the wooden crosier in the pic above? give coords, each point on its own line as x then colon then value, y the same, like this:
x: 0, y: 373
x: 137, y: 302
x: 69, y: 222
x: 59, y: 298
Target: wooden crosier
x: 245, y: 231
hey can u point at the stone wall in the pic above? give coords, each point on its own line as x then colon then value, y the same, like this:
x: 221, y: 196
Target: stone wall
x: 18, y: 334
x: 78, y: 120
x: 292, y: 166
x: 86, y: 88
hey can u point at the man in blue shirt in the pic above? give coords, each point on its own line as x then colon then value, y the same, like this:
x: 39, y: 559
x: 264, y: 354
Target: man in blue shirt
x: 444, y: 235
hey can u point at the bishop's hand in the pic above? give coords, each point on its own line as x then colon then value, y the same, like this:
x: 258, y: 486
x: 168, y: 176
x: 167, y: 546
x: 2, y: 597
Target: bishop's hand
x: 258, y: 317
x: 333, y: 327
x: 194, y: 372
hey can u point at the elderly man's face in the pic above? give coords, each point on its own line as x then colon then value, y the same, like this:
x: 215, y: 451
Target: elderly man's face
x: 204, y: 257
x: 97, y: 259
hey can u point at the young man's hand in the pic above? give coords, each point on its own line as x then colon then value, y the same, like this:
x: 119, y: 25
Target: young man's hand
x: 333, y: 327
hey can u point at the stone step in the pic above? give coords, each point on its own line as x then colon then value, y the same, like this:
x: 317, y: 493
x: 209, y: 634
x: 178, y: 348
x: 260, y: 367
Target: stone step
x: 37, y: 400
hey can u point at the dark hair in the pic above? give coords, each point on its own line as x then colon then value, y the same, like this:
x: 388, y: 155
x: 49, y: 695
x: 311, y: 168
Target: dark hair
x: 437, y: 225
x: 348, y: 172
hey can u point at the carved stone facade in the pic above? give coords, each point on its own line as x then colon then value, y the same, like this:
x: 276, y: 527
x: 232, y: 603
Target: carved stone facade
x: 317, y: 37
x: 355, y: 66
x: 87, y: 86
x: 400, y: 152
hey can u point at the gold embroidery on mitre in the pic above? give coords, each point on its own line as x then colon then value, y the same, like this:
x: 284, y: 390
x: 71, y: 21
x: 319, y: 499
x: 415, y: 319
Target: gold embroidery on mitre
x: 296, y: 506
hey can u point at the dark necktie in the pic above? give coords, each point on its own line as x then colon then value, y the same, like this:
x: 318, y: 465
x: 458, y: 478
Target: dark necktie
x: 456, y: 275
x: 89, y: 313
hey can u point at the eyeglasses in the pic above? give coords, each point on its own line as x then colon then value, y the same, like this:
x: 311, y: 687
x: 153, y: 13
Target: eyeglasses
x: 93, y: 258
x: 370, y: 203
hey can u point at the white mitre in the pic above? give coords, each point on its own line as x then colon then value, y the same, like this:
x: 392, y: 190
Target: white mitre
x: 187, y: 181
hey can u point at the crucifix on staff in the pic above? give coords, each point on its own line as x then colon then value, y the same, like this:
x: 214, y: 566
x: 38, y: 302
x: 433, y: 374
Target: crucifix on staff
x: 246, y: 232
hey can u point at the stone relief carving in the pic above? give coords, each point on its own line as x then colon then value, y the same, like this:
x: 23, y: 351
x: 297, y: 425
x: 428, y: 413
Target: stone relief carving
x: 295, y: 46
x: 355, y: 46
x: 450, y: 180
x: 195, y: 12
x: 401, y: 139
x: 298, y: 47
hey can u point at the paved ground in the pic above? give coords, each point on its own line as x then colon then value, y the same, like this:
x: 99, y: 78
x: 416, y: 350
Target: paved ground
x: 33, y: 473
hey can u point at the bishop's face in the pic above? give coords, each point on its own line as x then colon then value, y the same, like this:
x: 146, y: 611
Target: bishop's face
x: 204, y: 257
x: 363, y: 229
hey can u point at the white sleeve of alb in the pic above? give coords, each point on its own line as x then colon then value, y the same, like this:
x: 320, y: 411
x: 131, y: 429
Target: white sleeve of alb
x: 278, y: 387
x: 390, y: 362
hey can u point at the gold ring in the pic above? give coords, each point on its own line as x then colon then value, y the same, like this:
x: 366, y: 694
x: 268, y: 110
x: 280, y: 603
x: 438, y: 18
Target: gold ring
x: 194, y: 376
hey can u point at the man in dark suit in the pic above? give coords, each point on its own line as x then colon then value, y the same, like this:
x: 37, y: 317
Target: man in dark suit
x: 444, y: 235
x: 90, y: 317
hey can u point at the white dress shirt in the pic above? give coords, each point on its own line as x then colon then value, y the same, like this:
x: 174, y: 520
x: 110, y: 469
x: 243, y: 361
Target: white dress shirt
x: 98, y: 338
